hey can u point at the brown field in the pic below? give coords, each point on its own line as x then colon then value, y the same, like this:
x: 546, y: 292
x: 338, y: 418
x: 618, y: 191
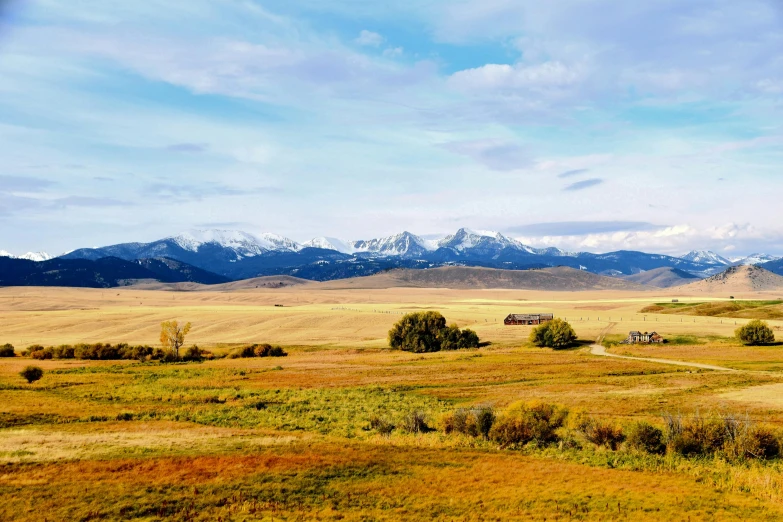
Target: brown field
x: 289, y: 438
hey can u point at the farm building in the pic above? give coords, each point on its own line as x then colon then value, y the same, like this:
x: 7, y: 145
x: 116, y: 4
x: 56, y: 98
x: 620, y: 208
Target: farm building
x: 526, y: 319
x: 643, y: 338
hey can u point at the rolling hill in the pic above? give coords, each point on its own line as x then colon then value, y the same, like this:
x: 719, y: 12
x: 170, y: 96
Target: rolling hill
x: 665, y: 277
x: 737, y: 279
x: 458, y: 277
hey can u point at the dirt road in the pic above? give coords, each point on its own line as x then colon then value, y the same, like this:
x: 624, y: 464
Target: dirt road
x: 598, y: 349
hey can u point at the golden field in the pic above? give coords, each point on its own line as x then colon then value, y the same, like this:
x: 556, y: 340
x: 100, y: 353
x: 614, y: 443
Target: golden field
x: 289, y: 438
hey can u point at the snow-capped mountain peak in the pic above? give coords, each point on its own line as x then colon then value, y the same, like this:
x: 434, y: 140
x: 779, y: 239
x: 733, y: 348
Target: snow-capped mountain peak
x: 30, y: 256
x: 466, y: 238
x: 402, y: 244
x: 36, y: 256
x: 244, y: 244
x: 706, y: 257
x: 330, y: 243
x: 755, y: 259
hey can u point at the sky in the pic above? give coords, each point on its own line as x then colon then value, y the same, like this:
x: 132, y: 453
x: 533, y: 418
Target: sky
x: 590, y: 125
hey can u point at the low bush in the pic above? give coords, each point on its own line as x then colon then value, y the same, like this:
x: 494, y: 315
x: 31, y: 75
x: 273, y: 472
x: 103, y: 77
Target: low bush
x: 31, y: 374
x: 745, y: 440
x: 473, y: 422
x: 415, y: 422
x: 97, y: 352
x: 7, y: 350
x: 382, y: 425
x: 193, y: 354
x: 601, y: 433
x: 524, y: 423
x: 643, y: 436
x: 257, y: 350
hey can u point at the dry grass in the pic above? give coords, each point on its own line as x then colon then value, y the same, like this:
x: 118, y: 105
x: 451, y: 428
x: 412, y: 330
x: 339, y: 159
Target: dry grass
x: 244, y: 440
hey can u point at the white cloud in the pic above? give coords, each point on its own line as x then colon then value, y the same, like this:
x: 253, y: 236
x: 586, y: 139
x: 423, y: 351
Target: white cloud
x: 393, y: 52
x: 544, y: 76
x: 369, y: 39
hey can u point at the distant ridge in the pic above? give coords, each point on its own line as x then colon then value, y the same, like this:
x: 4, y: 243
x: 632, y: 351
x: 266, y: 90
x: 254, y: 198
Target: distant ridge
x: 459, y: 277
x: 739, y: 279
x: 666, y: 277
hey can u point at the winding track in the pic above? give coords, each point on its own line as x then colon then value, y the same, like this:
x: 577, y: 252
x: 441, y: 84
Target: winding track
x: 598, y: 349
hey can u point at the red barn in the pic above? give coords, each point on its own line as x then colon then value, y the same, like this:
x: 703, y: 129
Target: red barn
x: 528, y: 319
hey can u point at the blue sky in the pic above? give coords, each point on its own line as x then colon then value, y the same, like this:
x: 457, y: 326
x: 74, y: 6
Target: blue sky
x: 584, y: 124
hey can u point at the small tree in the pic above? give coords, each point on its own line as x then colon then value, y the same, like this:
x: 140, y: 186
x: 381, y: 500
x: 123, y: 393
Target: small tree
x: 31, y: 374
x: 553, y: 334
x: 418, y: 332
x: 755, y: 333
x: 7, y: 350
x: 172, y: 337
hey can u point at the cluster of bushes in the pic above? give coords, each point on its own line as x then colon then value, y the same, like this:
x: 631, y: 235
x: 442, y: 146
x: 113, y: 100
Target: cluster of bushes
x: 257, y: 350
x: 413, y: 422
x: 556, y: 333
x: 730, y: 436
x: 7, y: 350
x: 112, y: 352
x: 427, y: 332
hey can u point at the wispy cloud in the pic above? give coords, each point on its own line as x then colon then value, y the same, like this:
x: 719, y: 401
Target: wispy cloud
x: 188, y: 147
x: 582, y: 185
x: 572, y: 173
x: 369, y: 38
x: 23, y: 184
x: 495, y: 155
x: 579, y: 228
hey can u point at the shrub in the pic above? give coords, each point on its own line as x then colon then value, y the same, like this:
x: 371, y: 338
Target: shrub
x: 418, y: 332
x: 42, y: 355
x: 525, y: 423
x: 381, y: 425
x: 756, y: 332
x: 167, y: 356
x: 553, y: 334
x: 7, y: 350
x: 645, y: 437
x: 31, y: 374
x: 415, y: 422
x: 601, y: 433
x: 30, y: 350
x: 473, y: 422
x: 193, y: 354
x: 696, y: 436
x: 744, y: 440
x: 452, y: 338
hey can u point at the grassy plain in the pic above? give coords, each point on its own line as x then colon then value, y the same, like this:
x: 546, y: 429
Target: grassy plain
x: 273, y: 439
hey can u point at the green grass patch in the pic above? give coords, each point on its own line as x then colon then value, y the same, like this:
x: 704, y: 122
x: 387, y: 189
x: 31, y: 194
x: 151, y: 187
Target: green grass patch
x: 738, y: 309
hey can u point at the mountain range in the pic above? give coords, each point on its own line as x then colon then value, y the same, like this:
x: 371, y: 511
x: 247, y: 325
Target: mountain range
x: 235, y: 255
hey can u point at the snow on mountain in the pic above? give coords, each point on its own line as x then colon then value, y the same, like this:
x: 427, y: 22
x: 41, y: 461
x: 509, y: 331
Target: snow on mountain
x: 280, y: 243
x: 30, y: 256
x: 331, y: 243
x: 755, y: 259
x: 403, y: 244
x: 706, y: 257
x: 466, y: 238
x: 244, y: 244
x: 36, y: 256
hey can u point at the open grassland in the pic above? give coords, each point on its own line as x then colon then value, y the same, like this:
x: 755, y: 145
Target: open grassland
x: 288, y: 438
x: 746, y: 309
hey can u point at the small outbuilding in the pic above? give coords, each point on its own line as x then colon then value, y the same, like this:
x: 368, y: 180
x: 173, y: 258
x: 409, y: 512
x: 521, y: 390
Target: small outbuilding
x: 644, y: 338
x: 527, y: 319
